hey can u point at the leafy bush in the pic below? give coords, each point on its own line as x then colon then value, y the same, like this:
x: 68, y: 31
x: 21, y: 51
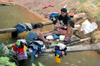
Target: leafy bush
x: 5, y: 61
x: 7, y: 55
x: 40, y: 64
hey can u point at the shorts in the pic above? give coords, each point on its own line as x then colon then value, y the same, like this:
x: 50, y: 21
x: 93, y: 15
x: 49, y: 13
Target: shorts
x: 67, y: 39
x: 64, y: 31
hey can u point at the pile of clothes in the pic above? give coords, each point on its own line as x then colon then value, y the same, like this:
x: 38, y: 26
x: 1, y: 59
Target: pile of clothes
x: 20, y: 49
x: 60, y: 51
x: 35, y: 47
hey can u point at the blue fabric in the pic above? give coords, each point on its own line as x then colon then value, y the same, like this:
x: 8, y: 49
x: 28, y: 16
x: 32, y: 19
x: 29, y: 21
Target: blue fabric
x: 24, y: 26
x: 21, y: 28
x: 51, y: 15
x: 55, y: 36
x: 32, y: 57
x: 31, y: 36
x: 56, y: 15
x: 35, y: 51
x: 58, y: 52
x: 36, y: 47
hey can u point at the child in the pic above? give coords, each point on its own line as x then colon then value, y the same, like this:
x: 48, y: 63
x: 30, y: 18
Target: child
x: 69, y: 31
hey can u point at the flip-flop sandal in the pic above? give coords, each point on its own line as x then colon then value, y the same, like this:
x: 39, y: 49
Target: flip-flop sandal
x: 45, y: 6
x: 51, y: 5
x: 71, y: 14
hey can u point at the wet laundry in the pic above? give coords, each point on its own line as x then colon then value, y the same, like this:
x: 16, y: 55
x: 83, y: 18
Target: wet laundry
x: 21, y: 28
x: 20, y: 49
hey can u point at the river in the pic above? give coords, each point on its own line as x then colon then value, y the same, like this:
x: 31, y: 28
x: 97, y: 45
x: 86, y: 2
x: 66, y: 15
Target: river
x: 86, y: 58
x: 12, y: 15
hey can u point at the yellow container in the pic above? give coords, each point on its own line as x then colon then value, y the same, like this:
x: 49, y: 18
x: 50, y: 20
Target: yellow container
x: 58, y: 60
x: 61, y: 37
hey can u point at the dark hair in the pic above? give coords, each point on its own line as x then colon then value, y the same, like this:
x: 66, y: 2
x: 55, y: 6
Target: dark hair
x: 38, y: 25
x: 64, y: 10
x: 71, y: 22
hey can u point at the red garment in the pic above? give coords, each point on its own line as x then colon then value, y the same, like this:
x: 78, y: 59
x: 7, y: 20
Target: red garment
x: 18, y: 49
x: 64, y: 31
x: 51, y: 5
x: 71, y: 14
x: 45, y: 6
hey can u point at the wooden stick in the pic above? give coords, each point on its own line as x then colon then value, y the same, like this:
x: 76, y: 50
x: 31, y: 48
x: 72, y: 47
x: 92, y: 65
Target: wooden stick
x: 71, y: 42
x: 8, y: 30
x: 78, y: 48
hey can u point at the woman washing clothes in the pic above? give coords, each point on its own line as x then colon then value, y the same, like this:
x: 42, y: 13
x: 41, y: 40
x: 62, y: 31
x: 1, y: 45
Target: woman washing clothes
x: 36, y: 33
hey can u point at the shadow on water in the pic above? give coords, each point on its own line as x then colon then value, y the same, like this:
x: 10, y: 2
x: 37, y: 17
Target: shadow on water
x: 12, y: 15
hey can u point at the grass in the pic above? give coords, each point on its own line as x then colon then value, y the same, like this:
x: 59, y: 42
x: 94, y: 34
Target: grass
x: 95, y: 2
x: 98, y: 16
x: 98, y: 5
x: 37, y: 10
x: 94, y: 14
x: 83, y: 1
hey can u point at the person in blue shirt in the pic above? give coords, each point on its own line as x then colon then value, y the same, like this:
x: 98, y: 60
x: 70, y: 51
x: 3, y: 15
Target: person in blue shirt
x: 36, y: 34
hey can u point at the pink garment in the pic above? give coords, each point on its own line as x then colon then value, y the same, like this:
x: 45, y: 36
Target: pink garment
x: 64, y: 31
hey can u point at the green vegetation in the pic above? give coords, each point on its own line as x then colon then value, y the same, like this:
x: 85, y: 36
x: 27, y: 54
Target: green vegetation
x: 40, y: 64
x: 6, y: 57
x: 93, y: 12
x: 83, y: 1
x: 95, y: 2
x: 4, y: 61
x: 37, y: 10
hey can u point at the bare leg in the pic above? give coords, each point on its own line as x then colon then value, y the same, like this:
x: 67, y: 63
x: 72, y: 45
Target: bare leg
x: 58, y: 33
x: 46, y: 32
x: 49, y: 32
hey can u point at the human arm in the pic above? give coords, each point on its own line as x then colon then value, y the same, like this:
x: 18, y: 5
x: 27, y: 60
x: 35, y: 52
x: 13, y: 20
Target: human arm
x: 42, y: 37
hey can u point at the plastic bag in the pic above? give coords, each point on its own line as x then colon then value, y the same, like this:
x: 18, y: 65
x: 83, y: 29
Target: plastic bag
x: 88, y: 27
